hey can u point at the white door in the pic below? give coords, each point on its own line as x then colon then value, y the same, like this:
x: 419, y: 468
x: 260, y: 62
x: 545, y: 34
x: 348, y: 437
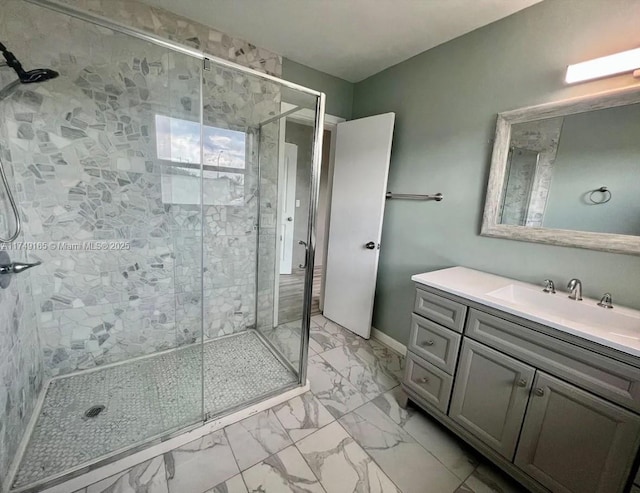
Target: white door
x: 288, y: 171
x: 363, y: 150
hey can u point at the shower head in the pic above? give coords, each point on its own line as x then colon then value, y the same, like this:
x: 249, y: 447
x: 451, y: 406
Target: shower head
x: 27, y: 77
x: 37, y: 75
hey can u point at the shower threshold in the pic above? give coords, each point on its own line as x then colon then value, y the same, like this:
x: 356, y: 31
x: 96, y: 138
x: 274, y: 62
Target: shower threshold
x: 87, y: 416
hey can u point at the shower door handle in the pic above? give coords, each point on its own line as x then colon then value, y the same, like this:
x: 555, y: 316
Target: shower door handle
x: 306, y: 253
x: 370, y: 246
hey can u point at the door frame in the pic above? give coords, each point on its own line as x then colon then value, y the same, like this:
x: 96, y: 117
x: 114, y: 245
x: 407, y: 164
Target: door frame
x: 306, y: 117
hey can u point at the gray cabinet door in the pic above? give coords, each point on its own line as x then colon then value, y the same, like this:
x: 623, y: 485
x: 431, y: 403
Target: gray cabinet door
x: 490, y: 396
x: 575, y: 442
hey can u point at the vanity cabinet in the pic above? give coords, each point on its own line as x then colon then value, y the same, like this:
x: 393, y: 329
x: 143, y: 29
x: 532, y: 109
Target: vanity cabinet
x: 555, y: 415
x: 490, y: 396
x: 573, y: 441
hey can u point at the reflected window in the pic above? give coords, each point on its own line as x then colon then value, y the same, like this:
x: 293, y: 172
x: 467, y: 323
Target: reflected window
x: 223, y: 170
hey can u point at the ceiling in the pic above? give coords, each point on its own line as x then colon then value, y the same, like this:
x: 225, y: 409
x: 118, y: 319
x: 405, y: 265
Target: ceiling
x: 350, y: 39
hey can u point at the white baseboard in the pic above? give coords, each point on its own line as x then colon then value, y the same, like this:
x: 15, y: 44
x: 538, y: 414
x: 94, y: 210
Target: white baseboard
x: 389, y: 341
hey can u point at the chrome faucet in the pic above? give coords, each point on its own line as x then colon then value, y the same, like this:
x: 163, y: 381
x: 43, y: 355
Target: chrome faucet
x: 606, y: 301
x: 549, y: 286
x: 575, y: 286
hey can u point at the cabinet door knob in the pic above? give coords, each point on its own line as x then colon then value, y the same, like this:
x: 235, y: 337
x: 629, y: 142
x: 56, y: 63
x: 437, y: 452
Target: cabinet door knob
x: 539, y: 391
x: 522, y: 382
x: 428, y: 343
x: 423, y: 380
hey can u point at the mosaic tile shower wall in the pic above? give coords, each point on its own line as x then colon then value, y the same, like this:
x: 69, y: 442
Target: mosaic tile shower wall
x: 21, y: 372
x: 85, y: 153
x: 168, y: 25
x: 82, y: 153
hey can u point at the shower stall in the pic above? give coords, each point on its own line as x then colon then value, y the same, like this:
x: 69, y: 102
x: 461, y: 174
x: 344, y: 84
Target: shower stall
x: 148, y: 183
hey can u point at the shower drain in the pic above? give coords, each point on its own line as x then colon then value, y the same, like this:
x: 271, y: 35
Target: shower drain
x: 93, y: 411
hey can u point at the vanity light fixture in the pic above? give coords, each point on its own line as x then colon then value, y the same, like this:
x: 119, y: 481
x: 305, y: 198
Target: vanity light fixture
x: 625, y: 61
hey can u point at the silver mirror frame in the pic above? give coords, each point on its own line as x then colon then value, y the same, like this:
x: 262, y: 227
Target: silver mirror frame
x: 491, y: 226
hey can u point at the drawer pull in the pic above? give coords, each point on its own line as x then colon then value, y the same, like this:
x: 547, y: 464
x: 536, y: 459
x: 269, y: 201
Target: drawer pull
x: 428, y: 343
x: 423, y: 380
x: 522, y: 382
x: 539, y: 391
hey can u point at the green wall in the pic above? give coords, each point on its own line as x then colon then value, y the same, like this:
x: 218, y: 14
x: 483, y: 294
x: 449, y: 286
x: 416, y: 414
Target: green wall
x: 339, y: 92
x: 598, y: 148
x: 446, y: 101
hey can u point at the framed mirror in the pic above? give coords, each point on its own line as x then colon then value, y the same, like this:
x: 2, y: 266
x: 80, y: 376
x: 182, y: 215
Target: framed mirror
x: 568, y: 173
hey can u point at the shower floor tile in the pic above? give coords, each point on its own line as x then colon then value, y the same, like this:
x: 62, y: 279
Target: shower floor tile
x: 143, y: 399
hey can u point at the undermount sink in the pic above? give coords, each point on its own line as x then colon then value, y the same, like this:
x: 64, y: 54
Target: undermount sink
x: 586, y: 313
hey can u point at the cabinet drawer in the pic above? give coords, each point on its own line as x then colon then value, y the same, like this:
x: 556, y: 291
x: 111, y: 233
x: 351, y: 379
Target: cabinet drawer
x: 428, y: 381
x: 444, y: 311
x: 604, y: 376
x: 434, y: 343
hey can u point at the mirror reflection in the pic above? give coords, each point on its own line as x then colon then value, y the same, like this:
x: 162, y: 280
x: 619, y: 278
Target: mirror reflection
x: 578, y: 172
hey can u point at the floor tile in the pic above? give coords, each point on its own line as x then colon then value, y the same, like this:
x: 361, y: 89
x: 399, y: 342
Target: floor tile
x: 285, y: 471
x: 302, y: 415
x: 488, y: 479
x: 406, y: 462
x: 341, y: 465
x: 201, y: 464
x: 148, y: 477
x: 233, y: 485
x: 255, y: 438
x: 391, y: 361
x: 286, y: 338
x: 329, y: 335
x: 358, y: 364
x: 332, y: 389
x: 444, y: 445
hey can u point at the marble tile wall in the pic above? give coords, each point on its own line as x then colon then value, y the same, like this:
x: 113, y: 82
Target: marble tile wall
x: 21, y: 372
x: 84, y: 148
x: 168, y: 25
x: 81, y: 153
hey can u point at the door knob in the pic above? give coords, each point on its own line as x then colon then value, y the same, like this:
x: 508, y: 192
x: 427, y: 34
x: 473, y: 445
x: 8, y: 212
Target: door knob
x: 370, y: 246
x: 289, y: 219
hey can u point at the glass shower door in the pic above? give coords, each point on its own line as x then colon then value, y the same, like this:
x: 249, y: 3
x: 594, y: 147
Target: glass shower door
x: 245, y: 359
x: 287, y: 139
x: 101, y: 171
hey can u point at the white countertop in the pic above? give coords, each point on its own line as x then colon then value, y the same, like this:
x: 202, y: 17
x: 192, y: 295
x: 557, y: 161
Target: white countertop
x: 477, y: 286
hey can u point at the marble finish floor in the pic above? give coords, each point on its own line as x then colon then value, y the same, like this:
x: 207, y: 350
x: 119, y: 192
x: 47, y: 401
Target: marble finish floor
x: 146, y: 398
x: 348, y: 434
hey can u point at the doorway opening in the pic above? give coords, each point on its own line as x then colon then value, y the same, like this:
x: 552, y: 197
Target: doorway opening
x: 295, y: 183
